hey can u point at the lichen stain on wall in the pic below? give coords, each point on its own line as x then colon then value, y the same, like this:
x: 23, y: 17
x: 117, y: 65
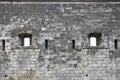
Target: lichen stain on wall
x: 30, y: 75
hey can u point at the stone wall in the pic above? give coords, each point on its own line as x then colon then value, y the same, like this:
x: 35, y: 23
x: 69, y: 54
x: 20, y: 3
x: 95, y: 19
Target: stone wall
x: 59, y: 23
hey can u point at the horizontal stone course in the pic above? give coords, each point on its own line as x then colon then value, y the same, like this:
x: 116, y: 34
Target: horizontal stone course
x: 59, y: 23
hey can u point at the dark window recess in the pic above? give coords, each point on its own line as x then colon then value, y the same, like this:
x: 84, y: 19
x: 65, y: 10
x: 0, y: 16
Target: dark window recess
x: 116, y: 43
x: 26, y: 39
x: 95, y: 38
x: 73, y: 44
x: 3, y: 45
x: 46, y: 44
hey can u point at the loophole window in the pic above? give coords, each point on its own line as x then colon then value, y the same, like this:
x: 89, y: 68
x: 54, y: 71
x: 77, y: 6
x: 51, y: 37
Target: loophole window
x: 3, y: 45
x: 46, y: 44
x: 73, y: 44
x: 116, y: 43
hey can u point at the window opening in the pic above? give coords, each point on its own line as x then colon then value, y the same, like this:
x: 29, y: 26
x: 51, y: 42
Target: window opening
x: 46, y: 44
x: 73, y: 44
x: 3, y: 45
x: 116, y: 43
x: 26, y: 39
x: 93, y: 41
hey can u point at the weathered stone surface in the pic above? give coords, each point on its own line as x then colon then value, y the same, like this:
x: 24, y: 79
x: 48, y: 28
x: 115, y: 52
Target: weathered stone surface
x: 60, y: 23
